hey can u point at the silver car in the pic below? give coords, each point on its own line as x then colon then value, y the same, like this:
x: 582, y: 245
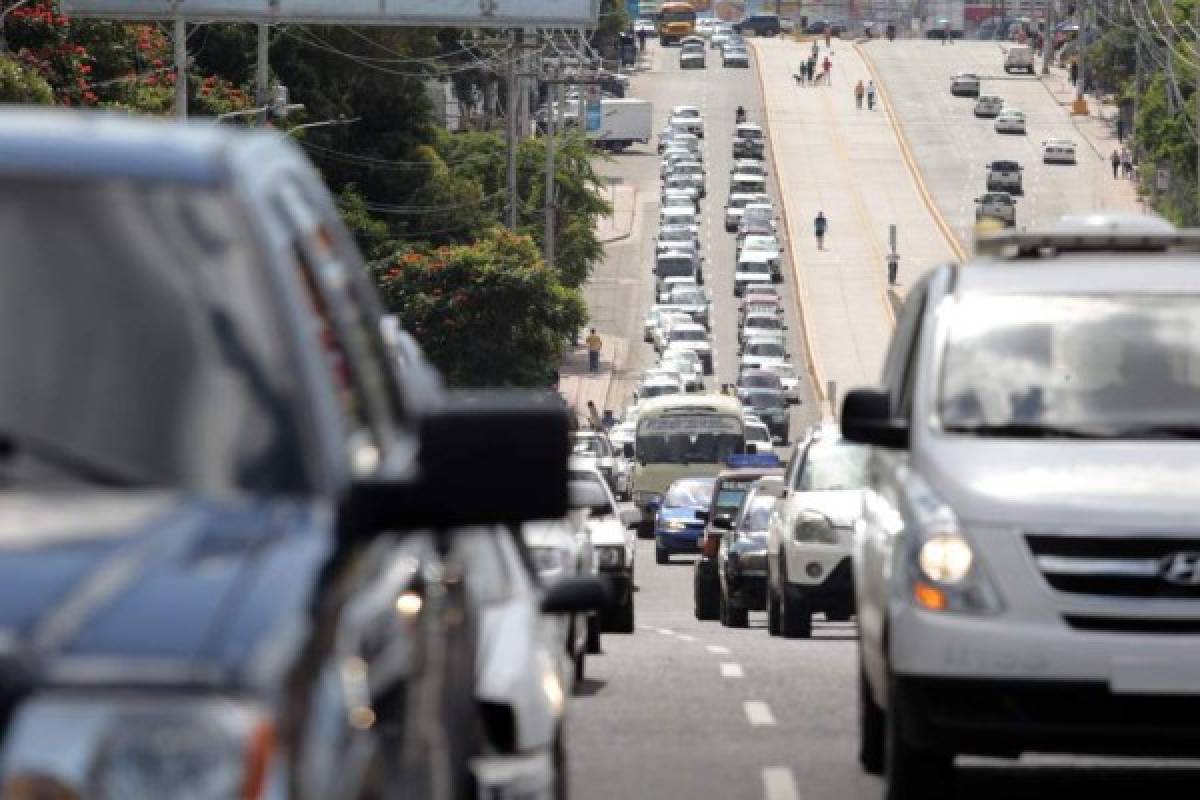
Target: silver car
x: 1026, y: 569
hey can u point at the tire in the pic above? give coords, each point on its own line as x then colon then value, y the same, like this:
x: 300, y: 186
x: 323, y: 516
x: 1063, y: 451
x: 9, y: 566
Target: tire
x: 623, y: 617
x: 773, y: 612
x: 593, y: 634
x: 839, y: 612
x: 661, y: 556
x: 580, y: 664
x: 796, y: 618
x: 911, y: 772
x: 870, y: 727
x: 733, y: 617
x: 706, y: 606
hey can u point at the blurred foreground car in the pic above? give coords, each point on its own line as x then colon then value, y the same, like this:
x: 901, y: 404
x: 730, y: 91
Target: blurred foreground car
x: 614, y: 542
x: 208, y: 453
x: 1027, y: 573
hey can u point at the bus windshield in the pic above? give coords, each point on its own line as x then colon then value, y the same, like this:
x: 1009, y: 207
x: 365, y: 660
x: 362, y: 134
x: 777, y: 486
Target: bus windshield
x: 689, y: 439
x: 678, y: 13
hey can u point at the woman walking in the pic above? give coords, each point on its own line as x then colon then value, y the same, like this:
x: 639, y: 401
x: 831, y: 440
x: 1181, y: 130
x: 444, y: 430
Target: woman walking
x: 859, y: 91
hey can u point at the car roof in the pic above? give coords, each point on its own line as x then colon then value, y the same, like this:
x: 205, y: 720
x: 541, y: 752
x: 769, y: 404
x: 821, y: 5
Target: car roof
x: 101, y: 144
x: 1083, y: 273
x: 752, y: 256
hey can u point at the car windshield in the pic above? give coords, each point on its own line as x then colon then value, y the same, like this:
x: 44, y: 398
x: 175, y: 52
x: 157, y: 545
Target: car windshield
x: 765, y: 349
x: 673, y: 267
x: 832, y: 466
x: 141, y: 347
x: 765, y: 400
x: 689, y: 335
x: 688, y: 297
x: 694, y: 492
x: 659, y: 389
x: 760, y: 380
x: 754, y: 267
x: 765, y: 323
x: 757, y: 515
x: 689, y: 113
x: 590, y: 446
x: 1061, y: 365
x: 679, y: 16
x: 730, y: 497
x: 758, y: 433
x: 689, y: 438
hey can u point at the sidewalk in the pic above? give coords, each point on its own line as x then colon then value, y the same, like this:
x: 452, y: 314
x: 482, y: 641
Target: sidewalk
x: 578, y: 385
x: 830, y: 156
x: 1098, y: 129
x: 618, y: 225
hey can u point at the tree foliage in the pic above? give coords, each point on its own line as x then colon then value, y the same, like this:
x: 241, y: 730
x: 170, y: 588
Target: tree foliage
x: 19, y: 84
x: 487, y: 314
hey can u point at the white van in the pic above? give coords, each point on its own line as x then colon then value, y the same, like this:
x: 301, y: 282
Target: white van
x: 1019, y: 59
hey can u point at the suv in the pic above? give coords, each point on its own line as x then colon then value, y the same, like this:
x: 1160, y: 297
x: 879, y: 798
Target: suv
x: 1000, y: 206
x: 749, y: 141
x: 759, y: 24
x: 211, y: 451
x: 811, y: 536
x: 1027, y: 579
x: 1004, y: 176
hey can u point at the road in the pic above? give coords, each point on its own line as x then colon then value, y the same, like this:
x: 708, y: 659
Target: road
x: 690, y: 709
x: 952, y: 146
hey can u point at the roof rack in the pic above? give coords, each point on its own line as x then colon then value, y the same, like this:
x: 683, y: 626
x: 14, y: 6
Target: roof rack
x: 1039, y: 245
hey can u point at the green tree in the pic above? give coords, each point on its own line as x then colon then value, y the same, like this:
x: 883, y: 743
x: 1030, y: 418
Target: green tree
x: 487, y: 314
x: 19, y: 84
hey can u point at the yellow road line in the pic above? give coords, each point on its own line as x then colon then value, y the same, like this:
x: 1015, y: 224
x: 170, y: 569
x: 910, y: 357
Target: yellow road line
x: 909, y: 160
x: 810, y: 350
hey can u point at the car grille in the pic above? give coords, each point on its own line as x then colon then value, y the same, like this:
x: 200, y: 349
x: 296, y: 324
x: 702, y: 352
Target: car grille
x: 1119, y: 566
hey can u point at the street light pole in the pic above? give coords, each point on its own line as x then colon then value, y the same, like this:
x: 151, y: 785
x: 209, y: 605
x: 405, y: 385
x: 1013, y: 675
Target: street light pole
x: 328, y: 123
x: 551, y: 182
x: 181, y: 70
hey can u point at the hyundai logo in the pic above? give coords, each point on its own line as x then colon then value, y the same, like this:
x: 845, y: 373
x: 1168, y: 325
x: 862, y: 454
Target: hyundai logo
x: 1181, y: 569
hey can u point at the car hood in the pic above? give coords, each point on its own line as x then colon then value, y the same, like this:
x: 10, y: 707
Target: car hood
x: 843, y: 507
x: 685, y: 513
x: 1070, y: 483
x: 606, y: 531
x: 152, y: 578
x: 697, y: 346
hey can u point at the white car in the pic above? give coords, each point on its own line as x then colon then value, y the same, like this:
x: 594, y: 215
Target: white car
x: 688, y: 118
x: 718, y: 39
x: 674, y: 156
x: 765, y: 326
x: 666, y: 322
x: 561, y: 549
x: 758, y: 434
x: 989, y: 105
x: 690, y: 336
x: 613, y: 541
x: 680, y: 198
x: 658, y: 387
x: 763, y: 354
x: 1005, y: 176
x: 1000, y: 206
x: 644, y: 25
x: 672, y: 136
x: 1058, y: 151
x: 736, y: 206
x: 752, y: 267
x: 789, y: 379
x: 747, y: 183
x: 676, y: 238
x: 749, y: 166
x: 810, y: 538
x: 1010, y: 120
x: 769, y: 246
x: 691, y: 58
x: 688, y: 174
x: 965, y: 84
x: 594, y: 448
x: 688, y: 363
x: 683, y: 185
x: 656, y: 317
x: 679, y: 217
x: 731, y: 57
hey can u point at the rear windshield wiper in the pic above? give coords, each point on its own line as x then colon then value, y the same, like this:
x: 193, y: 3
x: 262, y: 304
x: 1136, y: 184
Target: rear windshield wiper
x: 60, y: 458
x: 1028, y: 431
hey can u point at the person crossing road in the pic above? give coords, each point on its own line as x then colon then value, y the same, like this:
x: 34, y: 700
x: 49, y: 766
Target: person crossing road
x: 859, y: 92
x: 820, y: 226
x: 870, y: 95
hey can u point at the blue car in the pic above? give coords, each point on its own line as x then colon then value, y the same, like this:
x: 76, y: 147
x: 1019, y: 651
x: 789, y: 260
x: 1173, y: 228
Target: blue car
x: 677, y: 529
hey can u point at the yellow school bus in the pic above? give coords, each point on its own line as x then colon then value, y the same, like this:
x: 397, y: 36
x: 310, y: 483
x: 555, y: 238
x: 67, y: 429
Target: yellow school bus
x: 675, y: 21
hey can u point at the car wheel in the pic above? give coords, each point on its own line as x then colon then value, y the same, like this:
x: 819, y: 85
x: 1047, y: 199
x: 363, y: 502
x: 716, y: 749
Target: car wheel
x: 623, y: 619
x: 773, y: 612
x: 737, y: 617
x: 661, y: 556
x: 796, y: 617
x: 910, y: 771
x: 707, y: 605
x: 593, y: 634
x: 870, y: 727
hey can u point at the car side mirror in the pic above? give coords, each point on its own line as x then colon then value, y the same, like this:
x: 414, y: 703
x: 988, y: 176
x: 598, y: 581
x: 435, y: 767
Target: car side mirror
x: 576, y: 596
x: 527, y: 431
x: 867, y: 419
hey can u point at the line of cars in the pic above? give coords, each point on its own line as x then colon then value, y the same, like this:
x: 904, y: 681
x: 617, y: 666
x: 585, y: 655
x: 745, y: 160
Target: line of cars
x: 726, y: 39
x: 1004, y: 178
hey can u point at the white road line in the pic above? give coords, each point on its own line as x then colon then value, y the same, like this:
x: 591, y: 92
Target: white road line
x: 731, y: 670
x: 684, y: 637
x: 779, y: 784
x: 758, y: 713
x: 717, y: 649
x: 646, y: 627
x: 666, y: 631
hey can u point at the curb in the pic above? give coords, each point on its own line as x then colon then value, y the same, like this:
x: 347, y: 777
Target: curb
x: 909, y: 160
x: 1074, y: 119
x: 802, y: 300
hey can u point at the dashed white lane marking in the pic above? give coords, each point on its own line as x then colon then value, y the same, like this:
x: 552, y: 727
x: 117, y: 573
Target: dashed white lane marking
x: 779, y: 784
x: 758, y: 713
x: 731, y: 670
x: 718, y: 649
x: 646, y: 627
x: 685, y: 637
x: 666, y: 631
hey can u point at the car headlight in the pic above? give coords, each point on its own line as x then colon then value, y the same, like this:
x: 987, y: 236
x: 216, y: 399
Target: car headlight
x: 610, y: 557
x: 550, y: 562
x: 177, y: 747
x: 945, y: 574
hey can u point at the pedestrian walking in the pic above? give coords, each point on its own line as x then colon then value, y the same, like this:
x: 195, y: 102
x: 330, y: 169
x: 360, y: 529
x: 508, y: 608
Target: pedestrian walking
x: 1115, y: 159
x: 1073, y: 71
x: 820, y: 225
x: 812, y: 70
x: 870, y: 95
x: 828, y: 71
x: 1126, y: 163
x: 594, y: 416
x: 641, y: 34
x: 859, y: 92
x: 594, y: 344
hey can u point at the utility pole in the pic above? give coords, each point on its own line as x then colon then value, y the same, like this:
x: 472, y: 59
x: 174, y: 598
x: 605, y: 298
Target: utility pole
x: 181, y: 68
x: 1081, y: 79
x: 1196, y: 96
x: 1048, y: 45
x: 1170, y: 70
x: 513, y: 140
x: 262, y: 72
x: 551, y: 181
